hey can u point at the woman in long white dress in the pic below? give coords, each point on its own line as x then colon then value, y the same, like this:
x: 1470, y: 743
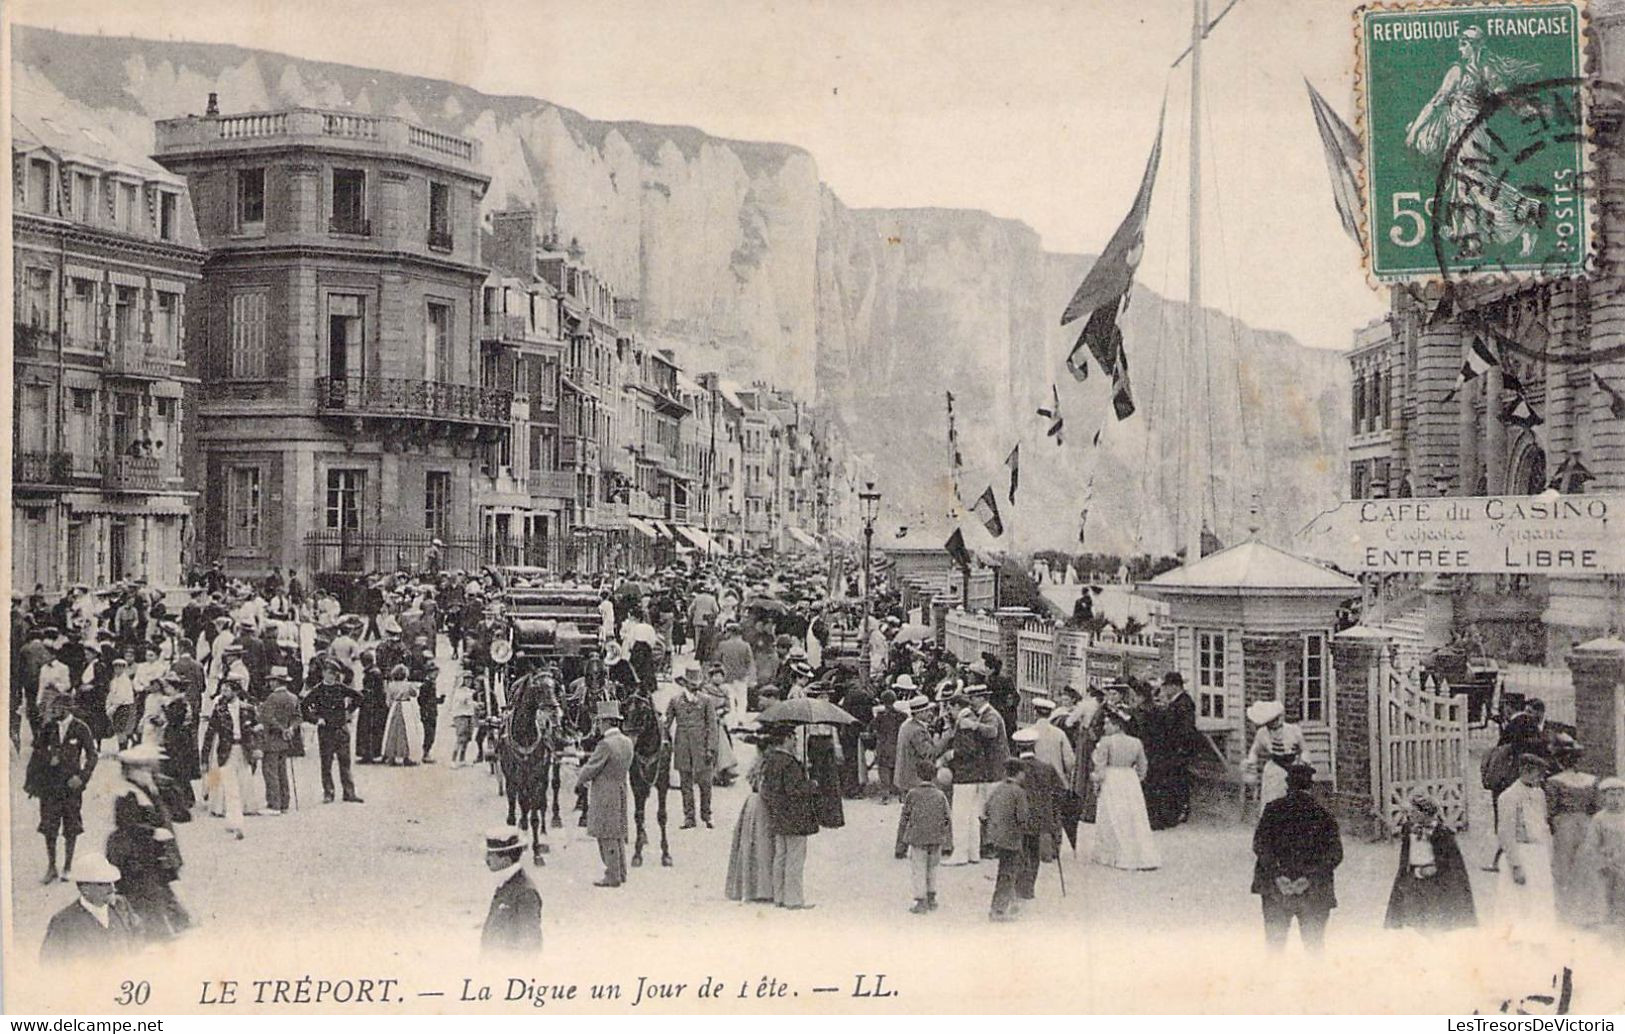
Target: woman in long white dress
x: 1122, y: 829
x: 403, y: 730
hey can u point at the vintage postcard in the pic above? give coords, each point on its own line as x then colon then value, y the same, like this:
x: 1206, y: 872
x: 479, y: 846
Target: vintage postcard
x: 631, y: 508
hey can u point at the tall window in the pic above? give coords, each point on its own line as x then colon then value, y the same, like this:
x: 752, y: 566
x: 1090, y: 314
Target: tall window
x: 250, y: 200
x: 247, y: 343
x: 1314, y: 677
x: 439, y: 216
x: 166, y: 324
x: 346, y: 336
x: 344, y: 497
x: 83, y: 440
x: 244, y: 504
x: 437, y: 342
x: 126, y: 316
x: 128, y: 215
x: 38, y: 307
x: 349, y: 202
x: 81, y: 314
x: 437, y: 502
x: 167, y: 208
x: 41, y: 198
x: 84, y: 197
x: 1358, y: 406
x: 1210, y: 674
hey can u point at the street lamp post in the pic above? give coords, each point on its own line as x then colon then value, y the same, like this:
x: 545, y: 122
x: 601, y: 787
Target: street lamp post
x: 870, y: 501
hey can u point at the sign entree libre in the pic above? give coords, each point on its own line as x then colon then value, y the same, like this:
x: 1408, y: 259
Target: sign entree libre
x: 1544, y: 534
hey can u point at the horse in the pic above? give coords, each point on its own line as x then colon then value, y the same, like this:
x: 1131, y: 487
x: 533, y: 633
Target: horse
x: 651, y: 767
x: 530, y: 748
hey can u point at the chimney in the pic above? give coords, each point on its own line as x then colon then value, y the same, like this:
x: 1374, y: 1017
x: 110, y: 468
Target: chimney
x: 214, y: 105
x: 515, y: 241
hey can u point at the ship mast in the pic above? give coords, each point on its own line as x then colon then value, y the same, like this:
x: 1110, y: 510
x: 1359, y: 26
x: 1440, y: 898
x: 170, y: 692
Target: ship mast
x: 1196, y: 327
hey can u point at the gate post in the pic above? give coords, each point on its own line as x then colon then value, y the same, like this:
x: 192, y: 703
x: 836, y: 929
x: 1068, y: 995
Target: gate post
x: 1599, y: 672
x: 1357, y: 659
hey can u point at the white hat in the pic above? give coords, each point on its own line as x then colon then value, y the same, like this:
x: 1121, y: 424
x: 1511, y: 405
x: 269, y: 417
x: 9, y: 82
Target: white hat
x: 1027, y: 735
x: 915, y: 703
x: 1263, y: 712
x: 503, y: 838
x: 1611, y: 783
x: 93, y: 868
x: 904, y: 681
x: 1044, y: 704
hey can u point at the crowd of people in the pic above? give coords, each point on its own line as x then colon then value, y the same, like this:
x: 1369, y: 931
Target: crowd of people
x: 202, y: 709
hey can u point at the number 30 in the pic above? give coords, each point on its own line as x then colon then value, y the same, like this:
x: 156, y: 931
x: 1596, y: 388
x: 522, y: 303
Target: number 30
x: 1417, y: 219
x: 133, y: 992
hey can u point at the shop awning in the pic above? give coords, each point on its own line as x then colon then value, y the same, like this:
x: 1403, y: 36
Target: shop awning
x: 663, y: 529
x: 697, y: 538
x: 642, y: 527
x: 802, y: 537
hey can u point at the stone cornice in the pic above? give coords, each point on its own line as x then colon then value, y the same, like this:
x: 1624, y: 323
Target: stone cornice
x: 24, y: 223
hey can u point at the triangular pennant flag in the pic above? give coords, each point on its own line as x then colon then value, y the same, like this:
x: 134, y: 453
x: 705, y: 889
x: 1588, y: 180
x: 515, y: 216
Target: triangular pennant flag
x: 1013, y: 461
x: 1083, y: 524
x: 1522, y: 414
x: 902, y: 532
x: 1446, y: 307
x: 1097, y: 435
x: 1571, y: 475
x: 1480, y: 357
x: 1122, y: 394
x: 1104, y: 293
x: 986, y: 508
x: 1342, y: 149
x: 956, y: 548
x: 1053, y: 414
x: 1616, y: 400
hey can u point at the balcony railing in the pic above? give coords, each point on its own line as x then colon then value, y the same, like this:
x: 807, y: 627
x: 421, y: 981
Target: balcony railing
x: 33, y: 341
x: 575, y: 450
x: 441, y: 143
x: 352, y: 225
x: 553, y: 484
x: 133, y: 473
x: 41, y: 468
x: 134, y: 359
x: 500, y: 326
x: 403, y: 397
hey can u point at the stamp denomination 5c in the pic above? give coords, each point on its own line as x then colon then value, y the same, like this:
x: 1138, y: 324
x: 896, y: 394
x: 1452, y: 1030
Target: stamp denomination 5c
x: 1475, y: 139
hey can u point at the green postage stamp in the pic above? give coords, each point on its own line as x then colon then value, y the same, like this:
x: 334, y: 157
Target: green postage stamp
x: 1473, y: 117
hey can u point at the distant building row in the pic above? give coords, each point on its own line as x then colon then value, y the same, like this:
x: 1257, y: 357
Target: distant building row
x: 297, y: 347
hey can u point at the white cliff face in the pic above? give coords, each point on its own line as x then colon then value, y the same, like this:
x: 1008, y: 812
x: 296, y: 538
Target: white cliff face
x: 743, y: 261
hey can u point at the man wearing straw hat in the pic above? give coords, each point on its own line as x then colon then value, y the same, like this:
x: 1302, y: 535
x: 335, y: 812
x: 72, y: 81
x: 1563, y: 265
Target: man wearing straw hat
x: 97, y: 925
x: 62, y: 762
x: 691, y: 725
x: 279, y: 725
x: 514, y: 922
x: 605, y: 776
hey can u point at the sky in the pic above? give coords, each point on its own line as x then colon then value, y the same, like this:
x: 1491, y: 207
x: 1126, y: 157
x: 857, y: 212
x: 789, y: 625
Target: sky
x: 1038, y: 110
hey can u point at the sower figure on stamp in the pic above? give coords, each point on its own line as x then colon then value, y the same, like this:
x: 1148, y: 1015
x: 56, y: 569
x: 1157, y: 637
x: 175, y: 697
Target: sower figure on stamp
x: 63, y: 759
x: 605, y: 775
x: 514, y: 922
x: 691, y: 723
x: 328, y: 707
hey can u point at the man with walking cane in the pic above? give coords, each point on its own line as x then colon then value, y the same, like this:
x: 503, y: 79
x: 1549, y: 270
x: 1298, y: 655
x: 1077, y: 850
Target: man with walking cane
x: 279, y: 728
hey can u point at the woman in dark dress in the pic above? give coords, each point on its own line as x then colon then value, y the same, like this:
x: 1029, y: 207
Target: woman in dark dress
x: 143, y: 846
x: 1431, y: 890
x: 823, y: 754
x: 180, y: 763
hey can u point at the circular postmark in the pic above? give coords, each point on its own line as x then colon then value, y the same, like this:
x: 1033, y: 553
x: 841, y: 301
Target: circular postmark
x: 1516, y: 198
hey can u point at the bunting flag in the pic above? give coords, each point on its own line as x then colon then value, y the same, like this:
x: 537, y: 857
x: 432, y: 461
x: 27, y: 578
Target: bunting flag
x: 1480, y: 358
x: 1104, y: 294
x: 1013, y: 461
x: 1083, y: 524
x: 1571, y: 475
x: 1053, y: 415
x: 1616, y: 400
x: 1446, y: 307
x: 1342, y: 156
x: 986, y: 508
x: 956, y: 548
x: 902, y: 532
x: 1522, y: 414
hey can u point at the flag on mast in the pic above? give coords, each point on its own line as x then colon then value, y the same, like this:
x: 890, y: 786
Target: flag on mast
x: 1053, y: 415
x: 1104, y: 294
x: 1480, y: 359
x: 1342, y: 157
x: 1013, y: 461
x: 1571, y: 475
x: 956, y: 548
x: 986, y: 509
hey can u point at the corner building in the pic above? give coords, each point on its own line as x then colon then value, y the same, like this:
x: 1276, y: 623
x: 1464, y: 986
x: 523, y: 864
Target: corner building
x: 342, y: 416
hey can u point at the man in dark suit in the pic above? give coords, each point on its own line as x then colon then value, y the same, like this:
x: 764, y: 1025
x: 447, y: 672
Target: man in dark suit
x: 1298, y: 849
x: 514, y: 922
x: 279, y: 727
x: 97, y: 925
x: 328, y: 707
x: 63, y: 759
x: 232, y: 735
x: 691, y: 724
x: 1169, y: 733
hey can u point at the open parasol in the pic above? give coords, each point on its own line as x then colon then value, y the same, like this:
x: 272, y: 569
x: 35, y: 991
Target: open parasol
x: 913, y: 633
x: 805, y: 711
